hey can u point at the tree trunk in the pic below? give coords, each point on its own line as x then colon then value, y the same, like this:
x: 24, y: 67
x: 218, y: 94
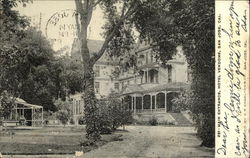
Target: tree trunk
x: 90, y: 103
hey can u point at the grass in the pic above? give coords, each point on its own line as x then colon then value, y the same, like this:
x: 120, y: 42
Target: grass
x: 48, y: 140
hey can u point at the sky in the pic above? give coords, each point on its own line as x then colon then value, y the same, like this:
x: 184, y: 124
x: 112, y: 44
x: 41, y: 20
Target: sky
x: 56, y: 21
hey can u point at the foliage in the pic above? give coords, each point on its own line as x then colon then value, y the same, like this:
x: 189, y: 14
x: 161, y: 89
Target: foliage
x: 81, y: 121
x: 183, y: 101
x: 63, y: 116
x: 28, y: 69
x: 64, y: 111
x: 62, y: 105
x: 153, y: 121
x: 6, y: 104
x: 71, y: 75
x: 113, y: 113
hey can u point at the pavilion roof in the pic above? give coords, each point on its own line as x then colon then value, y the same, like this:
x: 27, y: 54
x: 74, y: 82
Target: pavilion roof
x: 24, y: 103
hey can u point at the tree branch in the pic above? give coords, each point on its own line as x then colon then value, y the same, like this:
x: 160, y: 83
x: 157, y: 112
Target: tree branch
x: 109, y: 37
x: 96, y: 3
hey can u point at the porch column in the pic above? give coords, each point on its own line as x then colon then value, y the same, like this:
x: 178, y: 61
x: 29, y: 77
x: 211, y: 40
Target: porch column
x: 151, y: 102
x: 32, y: 117
x: 155, y: 102
x: 144, y: 76
x: 165, y: 101
x: 42, y: 116
x: 16, y: 112
x: 135, y: 104
x: 147, y: 76
x: 132, y: 103
x: 142, y: 102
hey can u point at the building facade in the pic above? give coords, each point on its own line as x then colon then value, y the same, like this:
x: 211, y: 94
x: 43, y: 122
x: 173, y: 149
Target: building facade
x: 149, y: 86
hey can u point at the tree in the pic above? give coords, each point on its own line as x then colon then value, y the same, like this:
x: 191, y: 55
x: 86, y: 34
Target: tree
x: 117, y: 27
x: 12, y: 30
x: 28, y: 68
x: 71, y: 75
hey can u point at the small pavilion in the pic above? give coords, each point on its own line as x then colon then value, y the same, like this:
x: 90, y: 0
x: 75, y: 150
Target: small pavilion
x: 31, y: 114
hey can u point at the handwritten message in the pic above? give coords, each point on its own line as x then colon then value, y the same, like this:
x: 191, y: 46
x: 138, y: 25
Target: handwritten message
x: 232, y: 79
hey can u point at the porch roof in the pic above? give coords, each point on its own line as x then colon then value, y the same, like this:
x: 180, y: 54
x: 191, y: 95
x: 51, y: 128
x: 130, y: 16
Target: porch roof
x: 141, y: 89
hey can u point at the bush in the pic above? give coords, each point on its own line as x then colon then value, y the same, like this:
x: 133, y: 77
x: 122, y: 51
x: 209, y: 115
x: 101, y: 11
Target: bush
x: 63, y: 116
x: 81, y: 120
x: 113, y: 113
x: 153, y: 121
x: 6, y: 104
x: 72, y: 122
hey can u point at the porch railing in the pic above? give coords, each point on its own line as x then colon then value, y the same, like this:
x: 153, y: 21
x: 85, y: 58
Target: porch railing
x: 158, y: 110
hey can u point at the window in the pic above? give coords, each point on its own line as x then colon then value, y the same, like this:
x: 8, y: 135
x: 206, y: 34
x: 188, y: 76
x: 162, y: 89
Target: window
x: 169, y: 73
x: 152, y: 58
x: 97, y: 87
x: 153, y: 76
x: 116, y: 86
x: 122, y: 85
x: 97, y: 71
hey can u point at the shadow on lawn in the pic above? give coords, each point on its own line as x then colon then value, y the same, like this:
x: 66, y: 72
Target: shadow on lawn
x: 41, y: 142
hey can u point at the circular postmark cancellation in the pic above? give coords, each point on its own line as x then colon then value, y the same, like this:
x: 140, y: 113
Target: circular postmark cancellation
x: 62, y: 26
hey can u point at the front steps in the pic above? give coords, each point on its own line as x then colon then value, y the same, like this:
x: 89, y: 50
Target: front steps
x: 163, y: 118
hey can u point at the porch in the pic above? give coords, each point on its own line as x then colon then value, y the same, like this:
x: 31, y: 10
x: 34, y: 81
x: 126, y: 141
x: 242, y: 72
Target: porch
x: 158, y: 102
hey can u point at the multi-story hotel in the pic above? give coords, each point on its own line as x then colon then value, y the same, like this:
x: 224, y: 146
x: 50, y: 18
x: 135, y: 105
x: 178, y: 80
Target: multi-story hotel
x: 149, y: 87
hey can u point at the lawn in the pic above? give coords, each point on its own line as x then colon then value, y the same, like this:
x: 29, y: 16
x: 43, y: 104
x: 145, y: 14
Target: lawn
x: 48, y: 140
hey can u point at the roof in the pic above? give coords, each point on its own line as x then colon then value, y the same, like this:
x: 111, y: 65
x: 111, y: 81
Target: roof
x: 142, y: 89
x: 21, y: 101
x: 132, y: 89
x: 93, y: 45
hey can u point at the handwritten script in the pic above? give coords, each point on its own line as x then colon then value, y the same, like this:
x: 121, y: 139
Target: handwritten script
x: 232, y: 30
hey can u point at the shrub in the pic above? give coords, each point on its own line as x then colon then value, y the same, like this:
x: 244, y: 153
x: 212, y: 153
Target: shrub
x: 6, y: 104
x: 113, y: 113
x: 81, y: 120
x: 72, y: 122
x: 63, y: 116
x: 153, y: 121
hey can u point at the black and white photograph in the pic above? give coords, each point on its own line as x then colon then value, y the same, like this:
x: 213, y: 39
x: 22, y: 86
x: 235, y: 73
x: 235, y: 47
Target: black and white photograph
x: 111, y: 79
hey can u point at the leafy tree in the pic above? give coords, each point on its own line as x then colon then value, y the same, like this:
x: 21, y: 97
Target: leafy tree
x: 71, y: 75
x: 28, y: 68
x: 116, y: 29
x: 12, y: 30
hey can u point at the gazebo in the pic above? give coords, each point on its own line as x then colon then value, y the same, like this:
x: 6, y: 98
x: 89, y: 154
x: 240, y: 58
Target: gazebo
x: 30, y: 114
